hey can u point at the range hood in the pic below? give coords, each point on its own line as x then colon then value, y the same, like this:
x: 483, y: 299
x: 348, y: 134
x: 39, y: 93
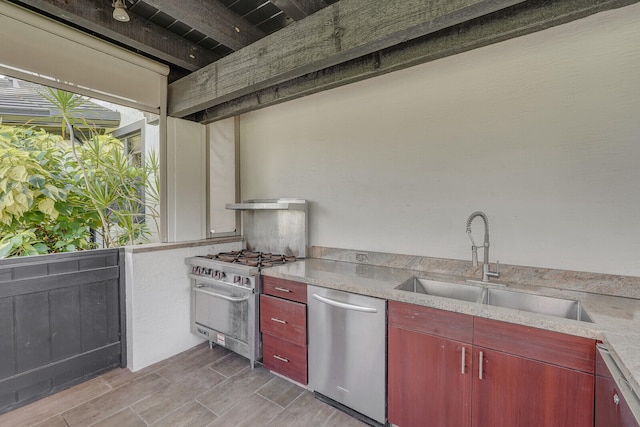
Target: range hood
x: 270, y: 204
x: 275, y: 225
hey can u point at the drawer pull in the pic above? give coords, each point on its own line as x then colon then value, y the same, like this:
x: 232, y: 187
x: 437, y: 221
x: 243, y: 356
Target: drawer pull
x: 280, y: 358
x: 279, y: 320
x: 480, y: 361
x: 277, y: 288
x: 464, y: 350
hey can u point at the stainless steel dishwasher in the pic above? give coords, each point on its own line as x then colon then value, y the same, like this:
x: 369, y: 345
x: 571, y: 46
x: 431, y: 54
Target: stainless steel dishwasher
x: 347, y: 350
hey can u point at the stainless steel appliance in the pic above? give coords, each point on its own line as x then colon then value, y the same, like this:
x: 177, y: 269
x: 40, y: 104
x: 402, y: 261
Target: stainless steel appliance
x: 224, y: 299
x: 225, y: 287
x: 347, y: 348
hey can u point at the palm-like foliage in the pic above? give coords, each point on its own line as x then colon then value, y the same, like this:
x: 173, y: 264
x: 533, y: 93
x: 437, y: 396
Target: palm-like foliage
x: 53, y: 193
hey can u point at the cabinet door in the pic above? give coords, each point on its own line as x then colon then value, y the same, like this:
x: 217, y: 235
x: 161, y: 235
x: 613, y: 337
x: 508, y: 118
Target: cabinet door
x: 514, y: 391
x: 429, y: 380
x: 611, y: 408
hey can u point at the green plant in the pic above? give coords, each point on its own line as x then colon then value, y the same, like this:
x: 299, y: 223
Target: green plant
x: 53, y: 192
x: 40, y: 203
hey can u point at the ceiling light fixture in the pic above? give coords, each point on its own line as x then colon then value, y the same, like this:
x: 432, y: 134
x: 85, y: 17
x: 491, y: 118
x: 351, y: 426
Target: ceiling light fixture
x: 119, y: 11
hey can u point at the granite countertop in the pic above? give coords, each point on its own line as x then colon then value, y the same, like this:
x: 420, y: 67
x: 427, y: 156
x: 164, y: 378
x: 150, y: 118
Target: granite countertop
x: 616, y: 320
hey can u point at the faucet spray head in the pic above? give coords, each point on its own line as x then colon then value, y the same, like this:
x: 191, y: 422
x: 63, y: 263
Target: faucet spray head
x: 474, y: 247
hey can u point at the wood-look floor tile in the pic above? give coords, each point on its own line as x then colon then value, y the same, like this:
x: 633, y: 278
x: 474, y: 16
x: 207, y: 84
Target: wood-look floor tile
x: 56, y: 421
x: 114, y: 401
x: 124, y: 418
x: 190, y: 363
x: 230, y: 364
x: 339, y: 418
x: 251, y: 411
x: 305, y: 411
x: 192, y: 414
x: 228, y: 393
x: 120, y: 376
x: 176, y: 394
x: 280, y: 391
x: 55, y: 404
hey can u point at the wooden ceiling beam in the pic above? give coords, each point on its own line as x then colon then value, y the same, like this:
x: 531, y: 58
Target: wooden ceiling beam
x: 299, y: 9
x: 96, y: 16
x: 212, y: 18
x: 343, y: 31
x: 517, y: 21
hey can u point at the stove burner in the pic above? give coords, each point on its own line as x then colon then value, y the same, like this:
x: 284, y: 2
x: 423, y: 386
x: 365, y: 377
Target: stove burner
x: 252, y: 259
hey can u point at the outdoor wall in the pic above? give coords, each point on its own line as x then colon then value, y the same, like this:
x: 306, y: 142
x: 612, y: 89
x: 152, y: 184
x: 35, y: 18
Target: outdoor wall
x: 159, y: 302
x: 540, y: 132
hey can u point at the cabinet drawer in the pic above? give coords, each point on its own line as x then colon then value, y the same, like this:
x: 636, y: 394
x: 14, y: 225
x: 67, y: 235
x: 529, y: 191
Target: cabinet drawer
x: 285, y: 358
x: 282, y: 288
x: 538, y: 344
x: 283, y: 319
x: 431, y: 321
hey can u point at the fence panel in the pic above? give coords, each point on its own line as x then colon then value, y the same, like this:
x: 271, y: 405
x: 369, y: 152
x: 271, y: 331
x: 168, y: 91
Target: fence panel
x: 61, y: 322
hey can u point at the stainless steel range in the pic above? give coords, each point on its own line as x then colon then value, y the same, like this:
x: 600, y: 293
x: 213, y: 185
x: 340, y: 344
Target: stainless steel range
x: 225, y: 287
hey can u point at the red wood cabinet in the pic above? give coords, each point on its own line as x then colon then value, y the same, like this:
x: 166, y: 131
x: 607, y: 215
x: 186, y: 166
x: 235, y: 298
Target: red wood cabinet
x: 429, y: 373
x: 530, y: 377
x: 283, y: 288
x: 284, y: 319
x: 512, y: 391
x: 611, y: 409
x: 513, y: 375
x: 283, y: 323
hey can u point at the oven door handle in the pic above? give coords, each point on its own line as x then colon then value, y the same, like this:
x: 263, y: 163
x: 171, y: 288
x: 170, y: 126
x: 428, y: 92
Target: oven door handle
x: 224, y: 297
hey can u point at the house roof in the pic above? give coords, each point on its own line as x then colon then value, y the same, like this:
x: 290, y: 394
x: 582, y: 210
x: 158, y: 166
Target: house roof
x: 23, y: 103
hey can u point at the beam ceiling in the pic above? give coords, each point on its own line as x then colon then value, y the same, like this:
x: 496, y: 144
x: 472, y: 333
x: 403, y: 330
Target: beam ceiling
x: 142, y: 35
x: 519, y: 20
x: 241, y: 55
x: 211, y: 18
x: 299, y: 9
x: 341, y: 32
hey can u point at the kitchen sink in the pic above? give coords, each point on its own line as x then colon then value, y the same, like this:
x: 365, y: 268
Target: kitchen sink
x: 442, y: 289
x: 559, y: 307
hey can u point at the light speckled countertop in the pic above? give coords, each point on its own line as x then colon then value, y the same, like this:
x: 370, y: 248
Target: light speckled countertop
x: 616, y: 320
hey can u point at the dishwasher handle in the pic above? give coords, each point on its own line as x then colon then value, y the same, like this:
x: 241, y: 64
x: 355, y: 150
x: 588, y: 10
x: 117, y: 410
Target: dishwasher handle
x: 344, y: 305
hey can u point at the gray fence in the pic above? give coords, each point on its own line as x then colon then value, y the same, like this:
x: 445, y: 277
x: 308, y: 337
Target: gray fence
x: 61, y: 322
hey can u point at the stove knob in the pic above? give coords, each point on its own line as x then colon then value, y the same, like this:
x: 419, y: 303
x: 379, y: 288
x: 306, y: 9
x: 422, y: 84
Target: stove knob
x: 221, y: 275
x: 237, y: 279
x: 247, y: 281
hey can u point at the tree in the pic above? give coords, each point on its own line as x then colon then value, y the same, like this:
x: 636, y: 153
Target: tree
x: 54, y: 193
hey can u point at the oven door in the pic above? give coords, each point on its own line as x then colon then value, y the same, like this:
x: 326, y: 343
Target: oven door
x: 223, y: 308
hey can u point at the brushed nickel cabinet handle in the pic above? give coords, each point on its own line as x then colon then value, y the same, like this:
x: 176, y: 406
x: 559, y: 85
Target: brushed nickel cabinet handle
x: 464, y: 351
x: 279, y: 320
x: 280, y: 358
x: 277, y: 288
x: 480, y: 357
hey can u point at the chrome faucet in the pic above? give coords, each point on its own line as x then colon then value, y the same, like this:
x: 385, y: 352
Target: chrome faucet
x: 486, y: 273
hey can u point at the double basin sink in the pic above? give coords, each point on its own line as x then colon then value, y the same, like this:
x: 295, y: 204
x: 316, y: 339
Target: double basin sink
x: 551, y: 306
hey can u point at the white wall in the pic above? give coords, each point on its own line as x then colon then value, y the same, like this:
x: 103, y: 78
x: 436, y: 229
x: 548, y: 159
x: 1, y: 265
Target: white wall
x: 159, y: 303
x: 541, y: 132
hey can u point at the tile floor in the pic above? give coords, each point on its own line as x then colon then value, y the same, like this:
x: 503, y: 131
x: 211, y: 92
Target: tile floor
x: 200, y: 387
